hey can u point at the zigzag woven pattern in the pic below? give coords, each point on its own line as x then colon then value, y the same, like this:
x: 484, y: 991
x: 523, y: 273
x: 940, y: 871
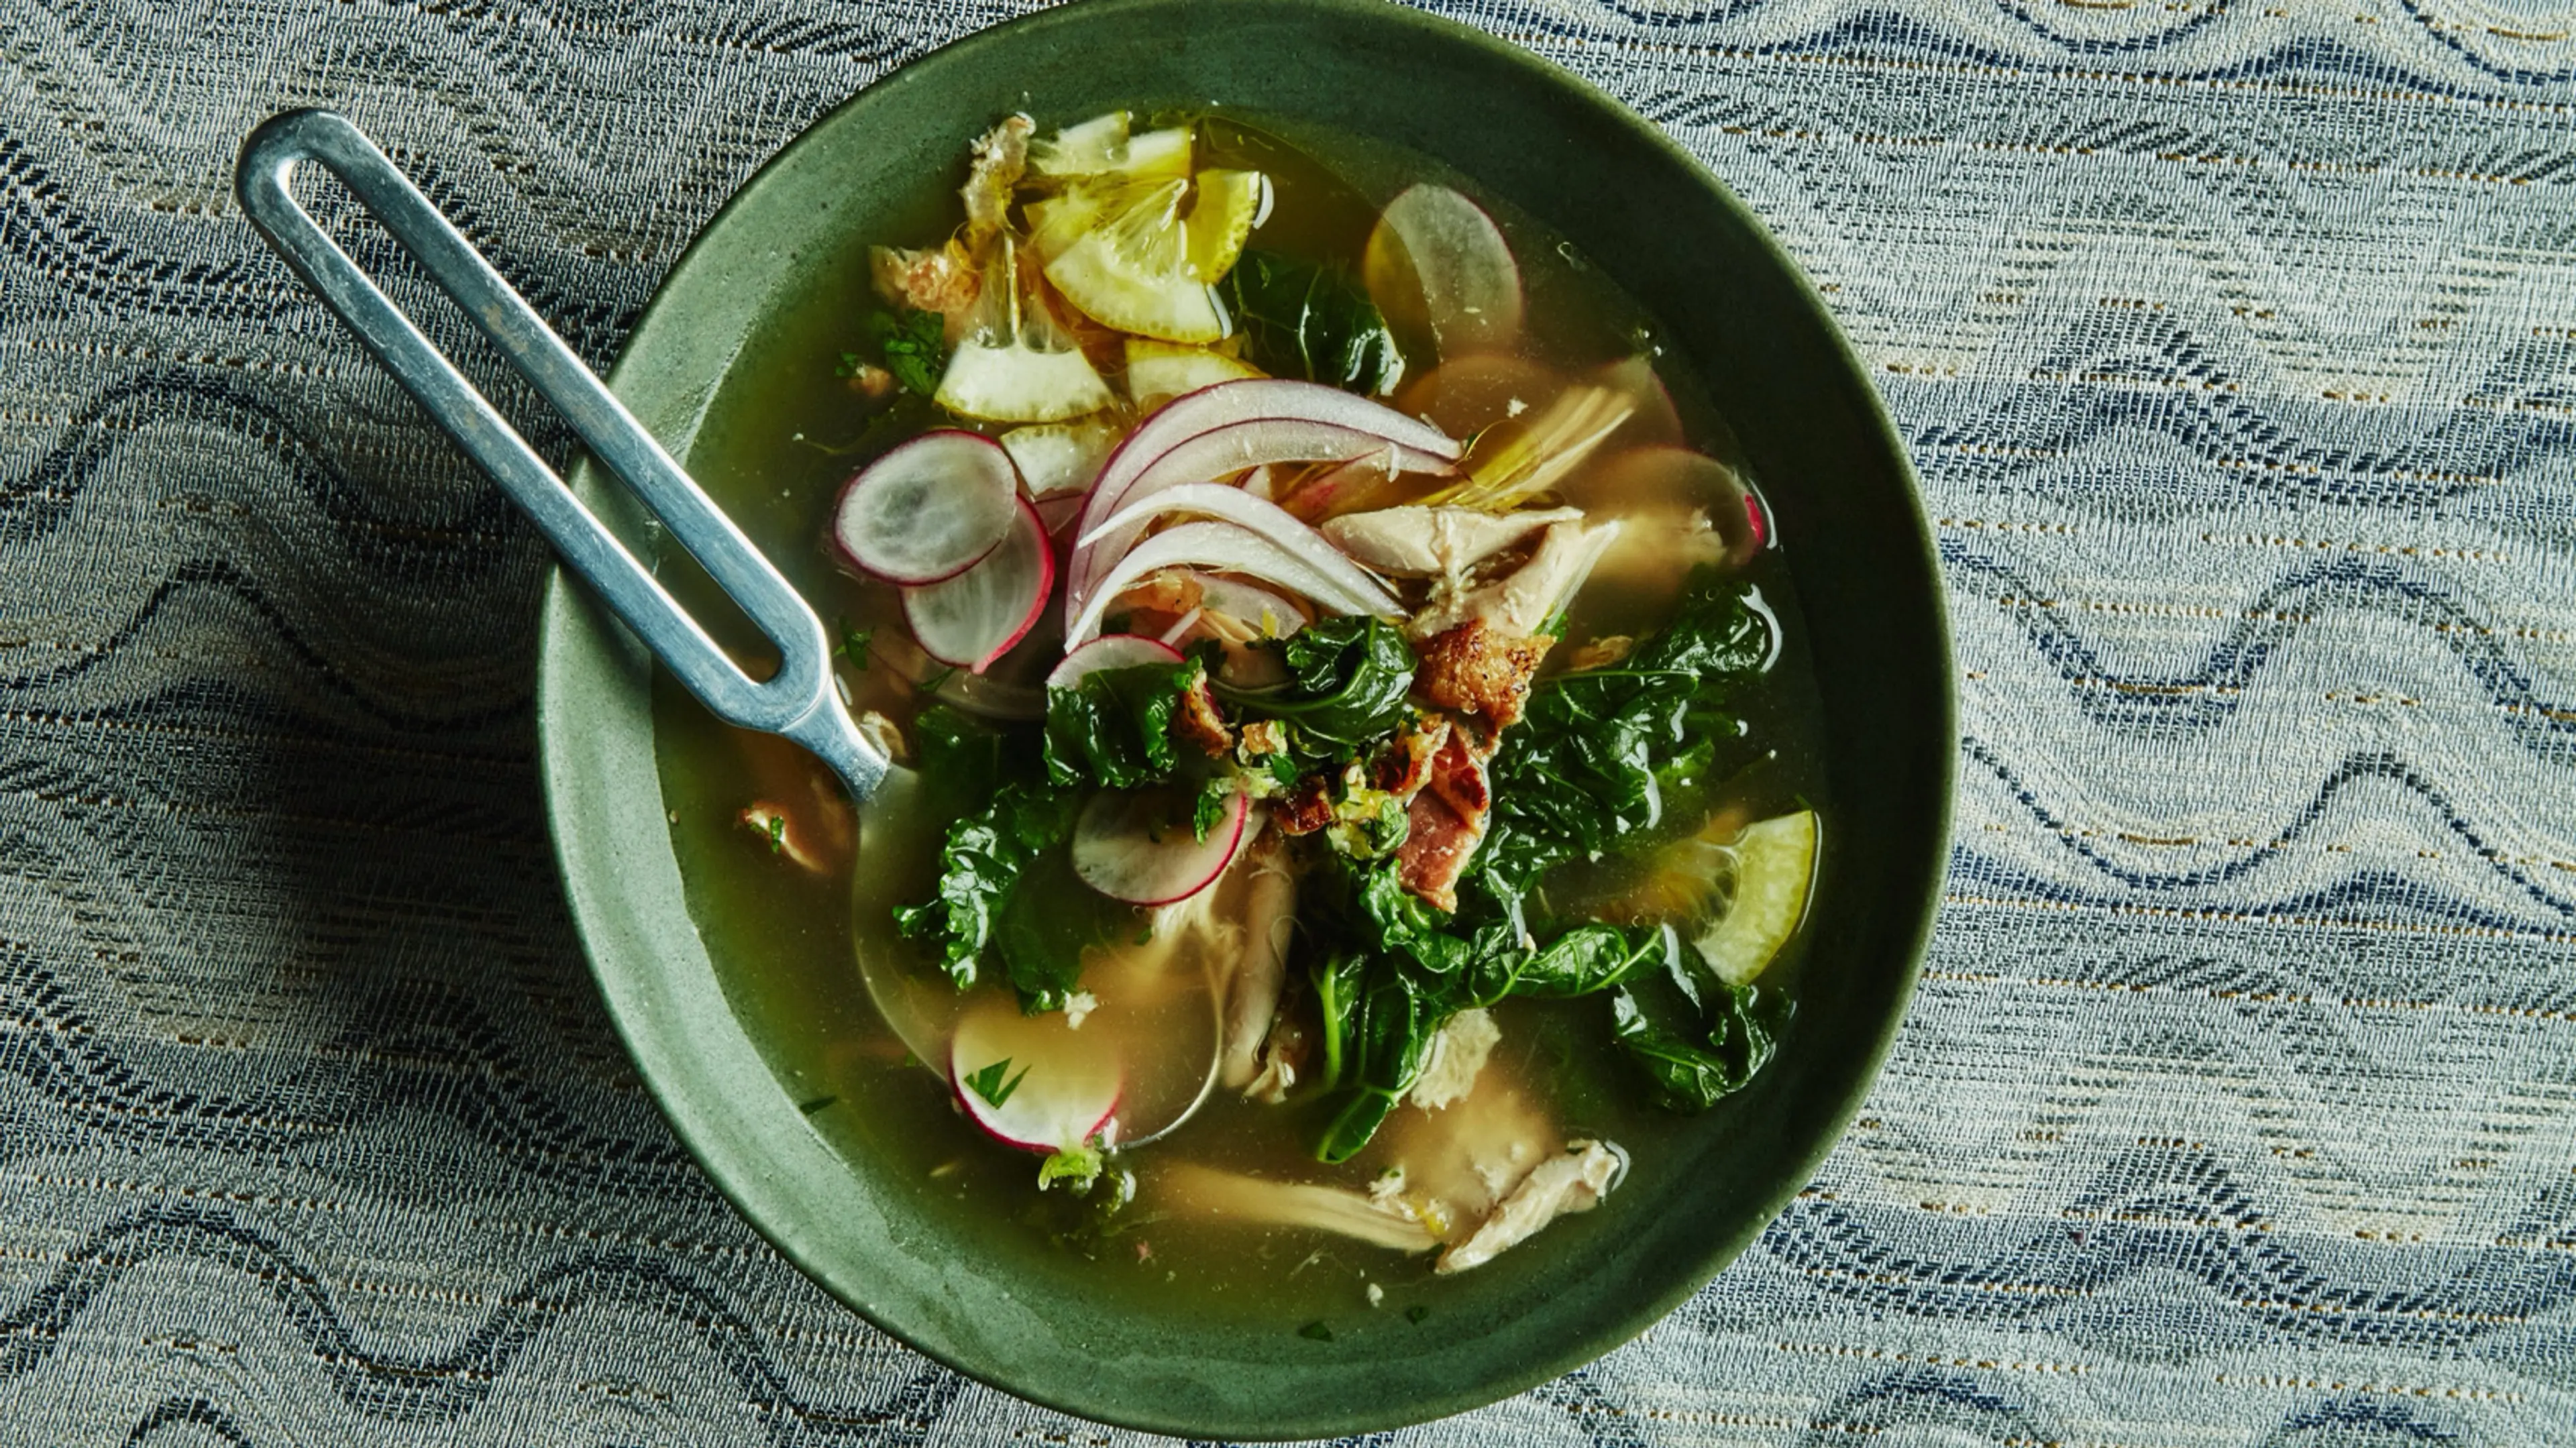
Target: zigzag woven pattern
x: 2235, y: 344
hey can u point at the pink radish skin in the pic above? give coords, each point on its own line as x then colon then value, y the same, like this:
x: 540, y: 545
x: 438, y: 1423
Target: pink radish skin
x: 1070, y: 1090
x: 1471, y: 286
x: 1110, y: 651
x: 929, y: 510
x: 1253, y: 399
x: 974, y: 618
x: 1137, y: 845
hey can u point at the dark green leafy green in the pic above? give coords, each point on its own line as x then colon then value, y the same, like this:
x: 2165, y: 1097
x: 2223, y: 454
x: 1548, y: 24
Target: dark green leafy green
x: 913, y: 345
x: 1114, y: 727
x: 1406, y: 969
x: 1698, y: 1040
x: 1593, y: 958
x: 1048, y: 921
x: 1347, y: 682
x: 1587, y: 768
x: 1389, y: 1033
x: 1310, y: 321
x: 980, y: 863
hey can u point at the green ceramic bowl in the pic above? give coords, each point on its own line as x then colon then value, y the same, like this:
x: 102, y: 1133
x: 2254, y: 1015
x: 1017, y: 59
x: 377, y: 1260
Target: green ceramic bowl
x: 1737, y: 310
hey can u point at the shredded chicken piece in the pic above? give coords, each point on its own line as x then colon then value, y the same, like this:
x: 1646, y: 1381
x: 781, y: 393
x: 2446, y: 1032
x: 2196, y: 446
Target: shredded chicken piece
x: 1204, y: 1191
x: 1283, y: 1055
x: 886, y: 735
x: 1001, y: 157
x: 1446, y: 822
x: 1573, y: 1182
x: 1533, y: 593
x: 1252, y: 999
x: 783, y: 834
x: 1477, y: 668
x: 1527, y: 459
x: 1437, y: 542
x: 1458, y: 1053
x: 943, y: 280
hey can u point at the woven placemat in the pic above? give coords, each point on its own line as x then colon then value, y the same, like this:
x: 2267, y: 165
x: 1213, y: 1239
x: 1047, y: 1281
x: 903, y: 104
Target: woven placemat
x: 2235, y: 344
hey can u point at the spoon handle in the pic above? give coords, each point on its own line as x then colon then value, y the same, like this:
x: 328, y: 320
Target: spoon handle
x: 801, y: 700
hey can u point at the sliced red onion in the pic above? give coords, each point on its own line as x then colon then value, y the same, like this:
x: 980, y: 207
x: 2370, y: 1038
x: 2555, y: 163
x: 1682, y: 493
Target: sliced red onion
x: 1257, y: 606
x: 1233, y: 549
x: 1219, y: 452
x: 1227, y: 404
x: 1234, y: 505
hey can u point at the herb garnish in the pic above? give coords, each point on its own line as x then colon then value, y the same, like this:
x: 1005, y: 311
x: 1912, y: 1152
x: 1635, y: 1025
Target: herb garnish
x: 913, y: 345
x: 990, y: 1082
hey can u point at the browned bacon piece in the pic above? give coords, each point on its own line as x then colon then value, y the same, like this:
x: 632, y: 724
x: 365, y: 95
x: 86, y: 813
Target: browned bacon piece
x: 1198, y: 722
x: 1446, y: 822
x: 1477, y: 668
x: 1304, y: 809
x: 1403, y: 766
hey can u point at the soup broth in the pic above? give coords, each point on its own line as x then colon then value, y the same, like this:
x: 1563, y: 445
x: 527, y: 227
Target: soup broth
x: 793, y: 891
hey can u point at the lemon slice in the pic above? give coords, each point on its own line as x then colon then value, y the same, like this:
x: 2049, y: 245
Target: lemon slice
x: 1158, y: 370
x: 1230, y: 204
x: 1145, y: 261
x: 1020, y: 384
x: 1775, y: 871
x: 1102, y: 146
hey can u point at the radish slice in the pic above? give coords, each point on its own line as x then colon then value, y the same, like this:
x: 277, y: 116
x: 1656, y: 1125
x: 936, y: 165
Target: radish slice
x: 1233, y: 549
x: 930, y: 509
x: 1216, y: 453
x: 1110, y: 651
x: 1138, y: 845
x: 1437, y: 257
x: 1234, y: 505
x: 1252, y: 399
x: 974, y: 618
x: 1032, y: 1082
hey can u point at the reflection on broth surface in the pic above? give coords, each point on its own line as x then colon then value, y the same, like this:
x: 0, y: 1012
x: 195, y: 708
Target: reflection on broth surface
x: 1356, y: 801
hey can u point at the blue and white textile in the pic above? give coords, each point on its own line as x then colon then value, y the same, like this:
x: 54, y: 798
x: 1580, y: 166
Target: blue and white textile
x: 2235, y: 341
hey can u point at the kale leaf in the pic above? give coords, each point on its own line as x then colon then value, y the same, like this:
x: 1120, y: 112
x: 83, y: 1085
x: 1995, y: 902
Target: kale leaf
x: 1389, y: 1031
x: 1588, y: 765
x: 1114, y: 727
x: 980, y: 864
x: 1698, y: 1040
x: 914, y: 347
x: 1310, y: 321
x: 1347, y: 682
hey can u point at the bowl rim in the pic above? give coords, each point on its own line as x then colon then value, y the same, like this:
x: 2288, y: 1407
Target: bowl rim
x: 566, y: 611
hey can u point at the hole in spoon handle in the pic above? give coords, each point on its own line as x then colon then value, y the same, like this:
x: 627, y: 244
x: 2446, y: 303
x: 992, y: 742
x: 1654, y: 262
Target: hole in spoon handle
x: 800, y: 700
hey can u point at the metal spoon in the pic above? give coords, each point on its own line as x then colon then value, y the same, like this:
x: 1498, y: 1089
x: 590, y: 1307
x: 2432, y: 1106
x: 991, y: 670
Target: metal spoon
x: 800, y: 701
